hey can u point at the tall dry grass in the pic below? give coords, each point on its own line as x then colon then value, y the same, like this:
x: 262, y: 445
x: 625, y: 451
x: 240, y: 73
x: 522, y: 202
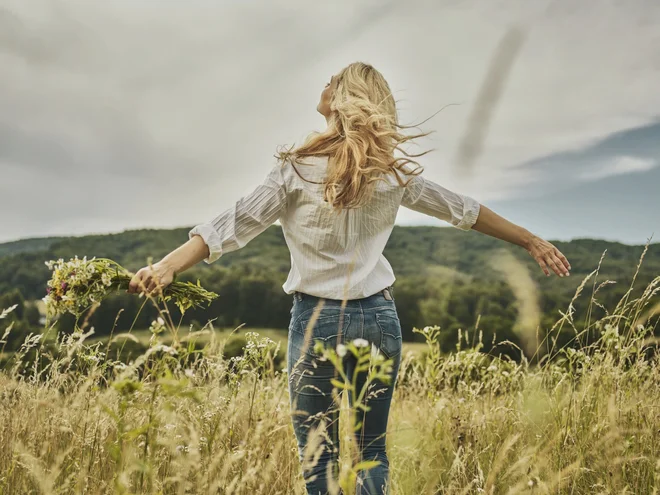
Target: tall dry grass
x: 178, y: 420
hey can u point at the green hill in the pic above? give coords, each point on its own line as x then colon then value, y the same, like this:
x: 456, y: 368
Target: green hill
x: 444, y: 276
x: 27, y: 245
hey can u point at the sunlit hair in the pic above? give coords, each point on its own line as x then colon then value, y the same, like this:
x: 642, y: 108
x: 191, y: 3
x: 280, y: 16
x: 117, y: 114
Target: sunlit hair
x: 361, y: 139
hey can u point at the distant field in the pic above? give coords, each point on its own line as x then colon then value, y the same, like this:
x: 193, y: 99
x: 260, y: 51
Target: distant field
x: 276, y: 335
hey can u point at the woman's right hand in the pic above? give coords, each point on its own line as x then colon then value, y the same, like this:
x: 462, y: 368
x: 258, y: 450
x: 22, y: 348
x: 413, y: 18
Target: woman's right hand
x: 150, y: 278
x: 548, y: 257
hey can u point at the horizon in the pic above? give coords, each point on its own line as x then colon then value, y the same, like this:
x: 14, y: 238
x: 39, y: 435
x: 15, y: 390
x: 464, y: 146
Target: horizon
x: 134, y: 229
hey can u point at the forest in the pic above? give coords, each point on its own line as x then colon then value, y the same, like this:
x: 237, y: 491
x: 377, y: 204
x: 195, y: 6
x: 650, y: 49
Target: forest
x: 445, y: 277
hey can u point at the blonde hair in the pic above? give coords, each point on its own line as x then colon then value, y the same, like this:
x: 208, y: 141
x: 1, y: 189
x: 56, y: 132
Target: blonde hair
x: 360, y: 140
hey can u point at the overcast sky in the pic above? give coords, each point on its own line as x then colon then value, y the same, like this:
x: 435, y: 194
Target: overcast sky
x: 141, y: 113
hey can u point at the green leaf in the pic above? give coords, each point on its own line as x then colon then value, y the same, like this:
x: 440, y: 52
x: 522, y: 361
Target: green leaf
x: 342, y: 385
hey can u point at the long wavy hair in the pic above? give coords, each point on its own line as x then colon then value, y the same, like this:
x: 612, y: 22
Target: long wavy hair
x: 361, y: 139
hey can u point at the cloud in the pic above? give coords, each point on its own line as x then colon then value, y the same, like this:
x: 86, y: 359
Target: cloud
x: 169, y: 110
x: 622, y: 208
x: 619, y: 166
x: 623, y: 152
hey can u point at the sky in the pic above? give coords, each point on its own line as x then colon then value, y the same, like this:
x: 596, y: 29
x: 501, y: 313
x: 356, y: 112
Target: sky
x: 158, y: 114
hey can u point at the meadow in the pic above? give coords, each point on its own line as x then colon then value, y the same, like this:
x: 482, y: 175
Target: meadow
x: 186, y: 417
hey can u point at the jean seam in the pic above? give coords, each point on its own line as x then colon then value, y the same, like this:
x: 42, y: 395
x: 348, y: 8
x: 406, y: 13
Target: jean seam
x: 361, y: 320
x: 397, y: 336
x: 389, y: 306
x: 304, y: 313
x: 346, y: 321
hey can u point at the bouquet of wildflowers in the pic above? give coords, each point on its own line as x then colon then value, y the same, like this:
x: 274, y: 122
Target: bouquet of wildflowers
x: 77, y: 284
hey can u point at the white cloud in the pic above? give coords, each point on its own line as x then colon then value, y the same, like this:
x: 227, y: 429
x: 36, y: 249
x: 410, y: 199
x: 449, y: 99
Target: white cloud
x: 188, y: 100
x: 619, y: 165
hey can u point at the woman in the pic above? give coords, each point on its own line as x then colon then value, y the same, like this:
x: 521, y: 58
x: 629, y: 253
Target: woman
x: 337, y: 197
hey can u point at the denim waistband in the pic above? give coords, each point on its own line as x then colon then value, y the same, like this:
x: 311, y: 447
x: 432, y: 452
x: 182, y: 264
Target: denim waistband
x: 387, y: 293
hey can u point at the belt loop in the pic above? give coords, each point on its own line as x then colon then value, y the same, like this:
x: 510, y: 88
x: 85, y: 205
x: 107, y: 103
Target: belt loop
x: 298, y: 296
x: 387, y: 294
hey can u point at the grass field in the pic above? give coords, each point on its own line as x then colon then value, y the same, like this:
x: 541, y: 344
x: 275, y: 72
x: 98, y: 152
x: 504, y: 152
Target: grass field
x: 222, y: 334
x: 179, y: 420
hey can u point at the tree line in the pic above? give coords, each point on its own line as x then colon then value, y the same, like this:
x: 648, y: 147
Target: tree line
x: 445, y: 277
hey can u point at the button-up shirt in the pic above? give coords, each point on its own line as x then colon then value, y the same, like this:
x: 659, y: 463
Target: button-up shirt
x: 335, y: 254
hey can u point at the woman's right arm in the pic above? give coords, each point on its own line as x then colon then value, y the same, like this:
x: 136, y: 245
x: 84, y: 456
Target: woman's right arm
x: 229, y: 231
x: 465, y: 213
x: 179, y: 260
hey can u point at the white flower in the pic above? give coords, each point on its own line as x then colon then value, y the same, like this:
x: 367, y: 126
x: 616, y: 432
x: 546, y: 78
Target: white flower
x: 189, y: 373
x: 492, y: 367
x: 360, y: 343
x: 341, y: 350
x: 160, y: 321
x: 375, y: 351
x: 164, y: 348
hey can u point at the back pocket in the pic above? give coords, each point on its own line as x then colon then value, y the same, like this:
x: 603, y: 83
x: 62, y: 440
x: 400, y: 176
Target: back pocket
x: 390, y: 331
x: 326, y: 329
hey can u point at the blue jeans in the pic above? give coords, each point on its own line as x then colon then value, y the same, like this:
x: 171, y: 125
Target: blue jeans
x: 313, y: 406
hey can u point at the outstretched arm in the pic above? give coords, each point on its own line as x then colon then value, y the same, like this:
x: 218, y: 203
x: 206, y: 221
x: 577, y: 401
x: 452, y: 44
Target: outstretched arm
x: 227, y: 232
x: 430, y: 198
x: 465, y: 213
x: 546, y: 254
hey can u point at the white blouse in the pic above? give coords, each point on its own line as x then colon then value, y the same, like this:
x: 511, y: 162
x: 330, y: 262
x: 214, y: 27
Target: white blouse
x: 334, y: 254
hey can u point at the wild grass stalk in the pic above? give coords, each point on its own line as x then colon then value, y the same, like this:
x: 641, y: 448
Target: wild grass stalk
x: 184, y: 419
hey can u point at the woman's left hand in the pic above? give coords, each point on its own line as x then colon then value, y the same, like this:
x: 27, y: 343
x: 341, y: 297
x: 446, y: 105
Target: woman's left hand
x: 150, y: 278
x: 548, y: 257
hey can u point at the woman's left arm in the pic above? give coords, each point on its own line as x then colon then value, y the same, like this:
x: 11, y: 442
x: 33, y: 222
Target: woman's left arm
x: 546, y: 254
x: 465, y: 213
